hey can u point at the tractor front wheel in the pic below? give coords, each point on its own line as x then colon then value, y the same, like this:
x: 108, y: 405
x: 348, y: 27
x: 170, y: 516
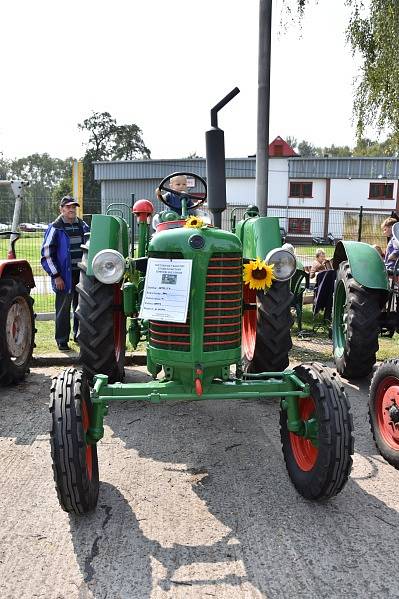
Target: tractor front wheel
x: 17, y: 330
x: 356, y: 325
x: 266, y: 328
x: 102, y: 327
x: 319, y: 468
x: 75, y: 464
x: 384, y: 410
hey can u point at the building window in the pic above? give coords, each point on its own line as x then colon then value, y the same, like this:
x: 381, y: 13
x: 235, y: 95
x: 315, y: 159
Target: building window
x: 299, y: 226
x: 381, y: 191
x: 299, y: 189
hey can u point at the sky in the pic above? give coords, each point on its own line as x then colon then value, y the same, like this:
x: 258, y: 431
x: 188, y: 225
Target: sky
x: 163, y: 64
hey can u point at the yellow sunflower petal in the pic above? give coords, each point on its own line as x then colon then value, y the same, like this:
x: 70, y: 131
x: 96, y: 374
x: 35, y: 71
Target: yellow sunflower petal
x: 258, y: 275
x: 194, y: 222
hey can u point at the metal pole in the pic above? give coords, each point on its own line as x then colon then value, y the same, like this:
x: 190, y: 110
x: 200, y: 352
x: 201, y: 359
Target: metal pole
x: 359, y: 232
x: 262, y: 147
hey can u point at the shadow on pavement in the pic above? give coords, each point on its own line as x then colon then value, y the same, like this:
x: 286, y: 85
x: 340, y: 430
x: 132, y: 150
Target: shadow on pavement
x: 203, y: 488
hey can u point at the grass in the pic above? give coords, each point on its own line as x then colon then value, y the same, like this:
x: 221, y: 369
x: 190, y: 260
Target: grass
x: 317, y: 346
x: 27, y: 247
x: 44, y: 302
x: 45, y: 342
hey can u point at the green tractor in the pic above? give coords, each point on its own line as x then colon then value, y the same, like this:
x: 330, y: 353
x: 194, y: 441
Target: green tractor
x: 365, y: 305
x: 209, y: 335
x: 17, y: 325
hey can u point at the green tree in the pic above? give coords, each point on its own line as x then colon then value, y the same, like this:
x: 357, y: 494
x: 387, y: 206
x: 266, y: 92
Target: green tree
x: 306, y: 149
x: 291, y: 141
x: 108, y: 141
x: 373, y: 34
x: 42, y: 171
x: 63, y: 188
x: 335, y: 151
x: 128, y: 143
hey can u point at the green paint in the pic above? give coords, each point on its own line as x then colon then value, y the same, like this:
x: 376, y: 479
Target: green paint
x: 107, y: 232
x: 259, y: 235
x: 366, y: 265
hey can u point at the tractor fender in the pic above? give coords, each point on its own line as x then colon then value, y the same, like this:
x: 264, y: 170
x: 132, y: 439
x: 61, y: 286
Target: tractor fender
x: 366, y: 265
x: 259, y: 235
x: 17, y: 269
x: 107, y: 232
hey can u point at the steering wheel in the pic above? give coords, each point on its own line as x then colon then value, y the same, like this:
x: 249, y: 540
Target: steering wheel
x: 183, y: 194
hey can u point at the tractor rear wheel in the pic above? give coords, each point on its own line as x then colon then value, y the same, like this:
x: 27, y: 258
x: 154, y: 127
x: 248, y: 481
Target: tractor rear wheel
x: 356, y: 325
x: 102, y: 327
x: 17, y: 330
x: 320, y: 469
x: 266, y: 337
x: 384, y: 410
x: 75, y: 464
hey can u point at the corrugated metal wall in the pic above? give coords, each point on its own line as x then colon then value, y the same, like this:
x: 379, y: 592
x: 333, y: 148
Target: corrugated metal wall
x: 158, y: 169
x: 343, y: 168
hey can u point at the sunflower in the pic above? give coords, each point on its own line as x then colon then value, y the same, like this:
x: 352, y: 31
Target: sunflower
x: 193, y: 222
x: 258, y: 275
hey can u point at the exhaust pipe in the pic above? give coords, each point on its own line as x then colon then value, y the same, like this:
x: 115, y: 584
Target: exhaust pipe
x: 215, y: 163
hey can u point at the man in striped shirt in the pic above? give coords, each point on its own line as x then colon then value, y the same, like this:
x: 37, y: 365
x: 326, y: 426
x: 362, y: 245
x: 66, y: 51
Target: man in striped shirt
x: 61, y: 253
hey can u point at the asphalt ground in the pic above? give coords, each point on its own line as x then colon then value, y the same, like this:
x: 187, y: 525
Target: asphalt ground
x: 195, y: 501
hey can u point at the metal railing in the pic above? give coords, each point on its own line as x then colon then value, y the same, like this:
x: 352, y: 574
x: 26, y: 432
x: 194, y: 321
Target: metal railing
x: 305, y: 229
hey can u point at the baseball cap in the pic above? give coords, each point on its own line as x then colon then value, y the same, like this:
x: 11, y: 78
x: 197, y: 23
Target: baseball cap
x: 67, y: 201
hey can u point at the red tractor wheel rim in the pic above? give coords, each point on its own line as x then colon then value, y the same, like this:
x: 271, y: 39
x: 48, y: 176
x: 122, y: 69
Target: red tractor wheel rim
x: 249, y: 324
x: 305, y: 453
x: 387, y: 390
x: 89, y: 448
x: 118, y: 320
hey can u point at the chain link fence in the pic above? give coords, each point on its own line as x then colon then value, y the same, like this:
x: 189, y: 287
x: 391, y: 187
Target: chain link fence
x: 307, y: 230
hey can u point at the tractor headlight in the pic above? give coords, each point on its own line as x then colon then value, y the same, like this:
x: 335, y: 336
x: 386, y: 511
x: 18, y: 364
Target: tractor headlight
x: 284, y: 263
x: 108, y: 266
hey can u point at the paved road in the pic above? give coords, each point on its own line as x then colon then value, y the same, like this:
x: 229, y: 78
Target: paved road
x: 194, y: 502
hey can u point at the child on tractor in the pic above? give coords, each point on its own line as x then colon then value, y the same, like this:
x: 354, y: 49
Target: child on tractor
x: 177, y: 183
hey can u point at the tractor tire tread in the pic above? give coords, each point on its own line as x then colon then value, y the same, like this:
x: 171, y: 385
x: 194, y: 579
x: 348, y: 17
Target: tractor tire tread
x: 10, y: 373
x: 387, y: 368
x: 361, y: 344
x: 336, y: 440
x: 76, y: 493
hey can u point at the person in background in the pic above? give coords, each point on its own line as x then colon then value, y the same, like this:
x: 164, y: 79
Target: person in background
x: 320, y: 263
x: 61, y: 252
x: 379, y: 249
x: 289, y: 248
x: 392, y: 250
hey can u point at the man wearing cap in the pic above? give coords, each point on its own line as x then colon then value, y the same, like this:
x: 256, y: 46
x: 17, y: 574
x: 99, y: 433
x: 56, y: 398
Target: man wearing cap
x: 61, y: 253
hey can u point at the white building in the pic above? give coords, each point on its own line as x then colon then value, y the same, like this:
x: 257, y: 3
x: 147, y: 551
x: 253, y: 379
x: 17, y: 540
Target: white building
x: 311, y: 196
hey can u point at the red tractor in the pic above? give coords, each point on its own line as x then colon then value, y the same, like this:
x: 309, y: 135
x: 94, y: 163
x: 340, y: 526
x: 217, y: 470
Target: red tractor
x: 17, y: 327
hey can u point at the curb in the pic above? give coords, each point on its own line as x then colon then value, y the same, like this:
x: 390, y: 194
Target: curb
x: 72, y: 359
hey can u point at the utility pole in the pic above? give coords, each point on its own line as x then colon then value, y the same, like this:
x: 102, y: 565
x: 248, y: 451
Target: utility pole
x: 262, y: 146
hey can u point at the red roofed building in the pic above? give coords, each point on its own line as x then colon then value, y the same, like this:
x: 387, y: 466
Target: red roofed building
x: 279, y: 148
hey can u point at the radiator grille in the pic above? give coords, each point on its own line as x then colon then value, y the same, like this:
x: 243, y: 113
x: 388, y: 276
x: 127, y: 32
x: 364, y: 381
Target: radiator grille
x: 169, y: 335
x: 223, y: 296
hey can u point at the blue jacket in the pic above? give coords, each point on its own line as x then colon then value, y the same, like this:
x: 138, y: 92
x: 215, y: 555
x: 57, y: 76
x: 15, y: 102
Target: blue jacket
x: 56, y: 257
x: 175, y: 201
x: 392, y: 249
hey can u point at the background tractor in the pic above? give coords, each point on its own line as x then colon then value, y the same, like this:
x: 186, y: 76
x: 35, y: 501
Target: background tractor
x: 209, y: 334
x: 365, y: 305
x: 384, y: 410
x: 17, y: 330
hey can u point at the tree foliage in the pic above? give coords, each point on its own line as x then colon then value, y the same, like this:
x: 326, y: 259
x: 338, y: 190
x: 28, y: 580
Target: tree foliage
x: 43, y: 172
x: 108, y: 141
x: 364, y: 147
x: 373, y: 34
